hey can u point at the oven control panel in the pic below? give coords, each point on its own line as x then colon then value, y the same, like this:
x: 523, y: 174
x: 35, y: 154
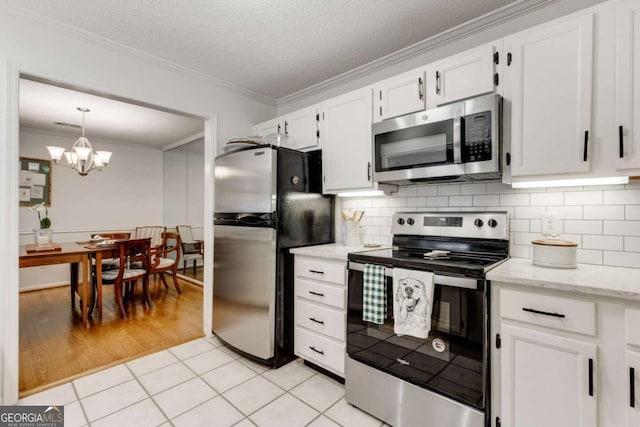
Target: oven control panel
x: 486, y: 225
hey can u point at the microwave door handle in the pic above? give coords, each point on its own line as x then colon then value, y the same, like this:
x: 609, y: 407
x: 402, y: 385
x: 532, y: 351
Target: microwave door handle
x: 457, y: 139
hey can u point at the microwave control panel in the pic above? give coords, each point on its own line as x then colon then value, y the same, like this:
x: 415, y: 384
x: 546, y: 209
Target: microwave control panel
x: 477, y: 137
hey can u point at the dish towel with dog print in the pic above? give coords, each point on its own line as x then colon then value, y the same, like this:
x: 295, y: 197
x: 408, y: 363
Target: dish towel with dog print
x: 374, y: 294
x: 412, y: 302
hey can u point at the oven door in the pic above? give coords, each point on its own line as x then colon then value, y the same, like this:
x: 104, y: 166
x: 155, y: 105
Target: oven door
x: 424, y: 145
x: 451, y: 361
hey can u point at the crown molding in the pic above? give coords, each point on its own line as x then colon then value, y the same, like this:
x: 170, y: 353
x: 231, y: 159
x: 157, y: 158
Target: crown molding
x: 183, y: 141
x: 466, y: 29
x: 89, y: 37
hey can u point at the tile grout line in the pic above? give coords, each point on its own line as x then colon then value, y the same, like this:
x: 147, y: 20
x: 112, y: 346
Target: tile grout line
x: 150, y: 396
x: 86, y: 418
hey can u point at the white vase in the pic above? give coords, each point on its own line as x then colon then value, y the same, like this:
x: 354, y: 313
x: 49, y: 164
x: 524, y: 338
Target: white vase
x: 43, y: 236
x: 351, y: 233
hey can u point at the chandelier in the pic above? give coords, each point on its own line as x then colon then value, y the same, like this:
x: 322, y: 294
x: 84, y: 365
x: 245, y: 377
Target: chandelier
x: 81, y: 157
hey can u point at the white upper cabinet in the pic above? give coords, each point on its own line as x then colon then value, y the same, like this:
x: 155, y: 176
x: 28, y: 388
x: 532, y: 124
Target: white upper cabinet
x: 346, y: 142
x: 399, y: 95
x: 627, y: 137
x: 548, y: 83
x: 301, y: 126
x: 467, y: 74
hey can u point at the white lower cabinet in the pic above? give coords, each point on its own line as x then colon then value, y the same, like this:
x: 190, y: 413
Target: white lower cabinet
x: 547, y: 380
x: 563, y: 358
x: 320, y: 311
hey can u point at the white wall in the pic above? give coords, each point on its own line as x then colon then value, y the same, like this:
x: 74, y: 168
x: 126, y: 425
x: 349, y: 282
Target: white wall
x: 56, y: 53
x: 604, y: 221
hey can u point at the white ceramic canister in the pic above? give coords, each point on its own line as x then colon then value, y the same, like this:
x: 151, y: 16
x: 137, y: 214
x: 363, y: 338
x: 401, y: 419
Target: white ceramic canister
x: 351, y: 233
x: 555, y: 253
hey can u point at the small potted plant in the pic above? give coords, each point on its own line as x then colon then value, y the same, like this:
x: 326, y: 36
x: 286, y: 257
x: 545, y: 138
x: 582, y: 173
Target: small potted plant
x: 42, y: 236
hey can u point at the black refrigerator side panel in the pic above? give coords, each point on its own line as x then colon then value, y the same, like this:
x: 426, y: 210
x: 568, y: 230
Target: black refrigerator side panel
x: 304, y: 217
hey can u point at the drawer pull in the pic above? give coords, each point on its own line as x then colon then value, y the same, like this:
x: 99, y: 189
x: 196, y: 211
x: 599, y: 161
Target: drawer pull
x: 316, y: 271
x: 316, y: 320
x: 316, y: 350
x: 632, y: 387
x: 316, y: 293
x: 590, y: 377
x: 545, y: 313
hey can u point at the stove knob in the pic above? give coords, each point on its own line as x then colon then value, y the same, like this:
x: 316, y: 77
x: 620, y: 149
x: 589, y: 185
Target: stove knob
x: 410, y: 221
x: 400, y: 221
x: 478, y: 222
x: 492, y: 223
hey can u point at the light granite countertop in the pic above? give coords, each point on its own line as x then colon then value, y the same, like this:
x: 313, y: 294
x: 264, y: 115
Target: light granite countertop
x: 332, y: 250
x: 617, y: 282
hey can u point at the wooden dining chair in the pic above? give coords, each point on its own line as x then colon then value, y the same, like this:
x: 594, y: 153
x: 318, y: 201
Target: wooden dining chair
x: 109, y: 263
x: 192, y: 250
x: 161, y: 261
x: 134, y: 263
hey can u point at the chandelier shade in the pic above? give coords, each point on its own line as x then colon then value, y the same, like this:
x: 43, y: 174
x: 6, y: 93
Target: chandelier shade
x: 81, y: 156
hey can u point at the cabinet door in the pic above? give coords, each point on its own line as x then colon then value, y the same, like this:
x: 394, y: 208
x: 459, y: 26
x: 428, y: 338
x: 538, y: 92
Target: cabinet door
x: 346, y: 144
x: 549, y: 85
x: 632, y: 402
x: 464, y: 75
x: 399, y: 95
x: 627, y: 150
x: 302, y: 128
x: 547, y: 380
x: 268, y: 127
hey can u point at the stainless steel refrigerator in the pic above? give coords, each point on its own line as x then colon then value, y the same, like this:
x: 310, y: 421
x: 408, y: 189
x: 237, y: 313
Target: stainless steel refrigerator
x: 267, y: 200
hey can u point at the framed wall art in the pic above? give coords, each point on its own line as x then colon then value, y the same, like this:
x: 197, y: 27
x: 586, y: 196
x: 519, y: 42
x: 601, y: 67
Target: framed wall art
x: 35, y: 181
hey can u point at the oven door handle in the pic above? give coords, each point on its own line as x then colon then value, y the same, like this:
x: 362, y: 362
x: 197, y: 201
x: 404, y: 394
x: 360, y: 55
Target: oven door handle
x: 458, y: 137
x: 439, y: 279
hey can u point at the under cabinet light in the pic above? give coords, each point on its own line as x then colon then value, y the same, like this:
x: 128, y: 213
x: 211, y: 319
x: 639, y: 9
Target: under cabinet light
x: 610, y: 180
x: 369, y: 193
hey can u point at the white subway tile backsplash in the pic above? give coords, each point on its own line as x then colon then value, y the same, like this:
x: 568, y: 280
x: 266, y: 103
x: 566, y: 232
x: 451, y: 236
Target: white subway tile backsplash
x: 460, y: 201
x: 603, y: 212
x: 407, y: 191
x: 567, y: 212
x: 604, y: 221
x: 449, y: 190
x: 622, y: 259
x: 519, y: 225
x: 619, y: 197
x: 608, y: 243
x: 519, y: 251
x: 488, y: 200
x: 588, y: 256
x: 622, y: 228
x: 583, y: 198
x: 529, y: 212
x: 632, y: 212
x: 498, y: 188
x: 514, y: 199
x: 583, y: 226
x: 427, y: 190
x: 469, y: 189
x: 437, y: 201
x: 416, y: 201
x: 547, y: 199
x: 632, y: 244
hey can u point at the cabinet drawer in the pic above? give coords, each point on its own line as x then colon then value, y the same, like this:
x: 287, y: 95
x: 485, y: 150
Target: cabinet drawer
x: 319, y: 292
x: 551, y: 311
x: 631, y: 322
x: 321, y: 269
x: 320, y: 350
x: 320, y: 319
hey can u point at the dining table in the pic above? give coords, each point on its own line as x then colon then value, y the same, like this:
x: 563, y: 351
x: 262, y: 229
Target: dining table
x: 75, y: 254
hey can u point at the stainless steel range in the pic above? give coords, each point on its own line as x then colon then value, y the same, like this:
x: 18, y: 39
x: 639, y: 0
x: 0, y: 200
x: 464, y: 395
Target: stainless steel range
x: 441, y: 380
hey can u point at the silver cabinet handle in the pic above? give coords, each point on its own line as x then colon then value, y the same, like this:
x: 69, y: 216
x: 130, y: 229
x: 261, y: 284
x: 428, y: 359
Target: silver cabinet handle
x: 437, y: 82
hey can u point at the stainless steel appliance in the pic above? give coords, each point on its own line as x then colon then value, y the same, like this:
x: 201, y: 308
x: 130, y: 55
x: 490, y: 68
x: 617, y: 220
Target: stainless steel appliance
x: 442, y: 380
x: 456, y: 142
x: 267, y: 200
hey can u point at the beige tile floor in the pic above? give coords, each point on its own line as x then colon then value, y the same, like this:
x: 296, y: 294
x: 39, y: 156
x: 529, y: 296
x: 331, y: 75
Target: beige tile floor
x: 201, y: 383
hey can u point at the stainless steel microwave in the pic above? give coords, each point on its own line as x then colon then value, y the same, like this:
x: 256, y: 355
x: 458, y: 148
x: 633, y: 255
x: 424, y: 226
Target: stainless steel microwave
x: 455, y: 142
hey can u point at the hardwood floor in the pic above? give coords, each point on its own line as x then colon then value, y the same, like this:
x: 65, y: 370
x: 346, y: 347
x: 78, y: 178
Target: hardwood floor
x: 197, y: 275
x: 54, y: 347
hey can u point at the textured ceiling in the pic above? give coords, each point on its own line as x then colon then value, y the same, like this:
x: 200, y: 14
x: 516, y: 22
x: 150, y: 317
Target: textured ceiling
x: 275, y: 47
x: 41, y: 105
